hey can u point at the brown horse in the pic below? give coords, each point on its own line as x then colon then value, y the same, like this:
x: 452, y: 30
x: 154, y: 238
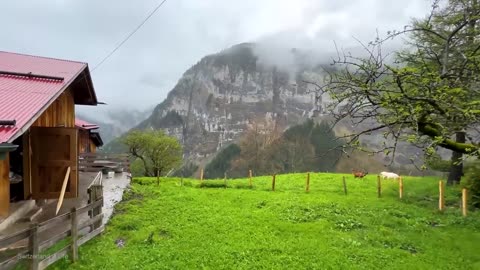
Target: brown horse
x: 359, y: 174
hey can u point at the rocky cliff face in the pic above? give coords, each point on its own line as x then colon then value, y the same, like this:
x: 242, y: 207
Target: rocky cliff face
x: 218, y: 98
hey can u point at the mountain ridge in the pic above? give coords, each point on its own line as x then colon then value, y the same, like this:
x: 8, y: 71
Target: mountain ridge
x: 224, y: 94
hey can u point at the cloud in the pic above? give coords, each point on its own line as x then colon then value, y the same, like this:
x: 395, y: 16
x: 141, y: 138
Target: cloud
x: 141, y: 73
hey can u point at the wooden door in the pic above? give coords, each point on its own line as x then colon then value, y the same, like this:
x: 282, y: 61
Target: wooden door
x: 53, y: 151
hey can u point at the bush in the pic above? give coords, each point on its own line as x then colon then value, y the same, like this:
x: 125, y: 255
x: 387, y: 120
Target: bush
x: 187, y: 170
x: 436, y: 163
x: 137, y: 169
x: 471, y: 181
x: 221, y: 163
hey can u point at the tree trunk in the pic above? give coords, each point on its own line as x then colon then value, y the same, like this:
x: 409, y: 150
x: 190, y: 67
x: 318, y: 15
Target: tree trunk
x: 456, y: 169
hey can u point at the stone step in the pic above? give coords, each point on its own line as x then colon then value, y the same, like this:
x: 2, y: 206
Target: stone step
x: 17, y: 211
x: 31, y: 215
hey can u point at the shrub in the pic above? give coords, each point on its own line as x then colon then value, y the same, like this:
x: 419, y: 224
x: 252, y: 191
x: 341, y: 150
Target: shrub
x: 436, y: 163
x: 137, y: 169
x: 471, y: 181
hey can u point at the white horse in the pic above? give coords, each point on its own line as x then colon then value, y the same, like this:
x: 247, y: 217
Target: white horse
x: 389, y: 175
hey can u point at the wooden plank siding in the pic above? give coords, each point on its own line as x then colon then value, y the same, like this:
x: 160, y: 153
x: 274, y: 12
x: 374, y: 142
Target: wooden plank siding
x: 4, y: 187
x: 93, y: 147
x: 84, y: 141
x: 61, y: 113
x: 86, y: 145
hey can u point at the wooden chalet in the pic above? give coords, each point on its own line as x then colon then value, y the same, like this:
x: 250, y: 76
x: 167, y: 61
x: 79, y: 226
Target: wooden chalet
x: 39, y: 141
x: 89, y: 140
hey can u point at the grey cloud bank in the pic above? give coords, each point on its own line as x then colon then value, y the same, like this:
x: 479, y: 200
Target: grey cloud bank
x: 140, y: 74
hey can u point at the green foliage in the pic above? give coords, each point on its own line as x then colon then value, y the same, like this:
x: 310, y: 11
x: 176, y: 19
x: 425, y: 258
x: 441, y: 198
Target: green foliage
x: 327, y: 147
x: 158, y: 152
x: 187, y: 170
x: 115, y: 146
x: 471, y: 181
x: 436, y: 163
x: 428, y: 91
x: 188, y: 227
x: 221, y: 163
x: 137, y: 168
x: 304, y: 147
x: 318, y: 137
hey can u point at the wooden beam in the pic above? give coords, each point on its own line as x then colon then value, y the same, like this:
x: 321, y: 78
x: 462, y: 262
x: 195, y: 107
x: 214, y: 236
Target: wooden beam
x: 31, y: 75
x: 62, y: 193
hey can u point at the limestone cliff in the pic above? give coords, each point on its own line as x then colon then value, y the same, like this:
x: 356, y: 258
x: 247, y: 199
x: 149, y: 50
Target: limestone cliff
x: 216, y: 99
x: 219, y: 97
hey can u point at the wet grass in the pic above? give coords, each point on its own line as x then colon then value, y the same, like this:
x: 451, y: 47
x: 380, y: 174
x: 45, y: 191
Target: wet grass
x: 207, y: 226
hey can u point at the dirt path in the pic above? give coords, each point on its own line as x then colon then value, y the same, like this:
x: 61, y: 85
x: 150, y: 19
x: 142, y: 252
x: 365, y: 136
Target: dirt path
x: 112, y: 193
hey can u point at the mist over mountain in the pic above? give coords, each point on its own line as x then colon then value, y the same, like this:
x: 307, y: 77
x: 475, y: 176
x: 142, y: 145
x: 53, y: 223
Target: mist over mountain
x: 227, y: 93
x: 115, y: 122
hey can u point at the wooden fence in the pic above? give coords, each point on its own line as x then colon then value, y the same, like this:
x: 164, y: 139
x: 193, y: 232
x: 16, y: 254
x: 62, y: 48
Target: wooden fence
x: 94, y: 162
x: 441, y: 194
x: 36, y: 253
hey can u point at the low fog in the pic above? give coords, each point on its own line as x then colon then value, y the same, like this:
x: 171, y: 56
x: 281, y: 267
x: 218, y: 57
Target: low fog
x: 141, y: 73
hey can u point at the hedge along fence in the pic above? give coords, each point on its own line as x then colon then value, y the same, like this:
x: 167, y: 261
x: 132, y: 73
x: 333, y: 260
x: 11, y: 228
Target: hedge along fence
x: 401, y: 189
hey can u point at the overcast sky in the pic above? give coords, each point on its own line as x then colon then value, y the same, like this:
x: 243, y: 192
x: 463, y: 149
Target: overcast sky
x: 145, y: 68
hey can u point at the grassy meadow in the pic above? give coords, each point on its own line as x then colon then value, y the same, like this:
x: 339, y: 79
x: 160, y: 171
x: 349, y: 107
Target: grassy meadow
x: 174, y: 226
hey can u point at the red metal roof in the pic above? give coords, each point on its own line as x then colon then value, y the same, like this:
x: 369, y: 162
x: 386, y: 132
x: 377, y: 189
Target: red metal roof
x: 84, y: 124
x: 22, y: 98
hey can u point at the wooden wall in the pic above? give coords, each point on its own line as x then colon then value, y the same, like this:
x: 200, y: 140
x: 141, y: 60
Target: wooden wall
x: 83, y: 141
x: 4, y: 187
x: 61, y: 113
x: 93, y: 147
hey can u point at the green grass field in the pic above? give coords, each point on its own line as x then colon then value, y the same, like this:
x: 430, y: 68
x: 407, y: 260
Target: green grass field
x: 210, y: 227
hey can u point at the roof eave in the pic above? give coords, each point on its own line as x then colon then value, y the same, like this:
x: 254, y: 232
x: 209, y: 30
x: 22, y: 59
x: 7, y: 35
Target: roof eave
x: 96, y: 138
x: 86, y: 86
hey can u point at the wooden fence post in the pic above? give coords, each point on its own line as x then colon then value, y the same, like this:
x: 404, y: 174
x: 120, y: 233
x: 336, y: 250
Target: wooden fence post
x: 441, y: 196
x: 89, y: 192
x: 225, y: 180
x: 201, y: 174
x: 307, y: 188
x: 379, y: 186
x: 273, y: 182
x: 400, y: 187
x: 344, y: 185
x: 250, y: 177
x: 100, y: 208
x: 464, y: 202
x: 74, y: 230
x: 34, y: 246
x: 96, y: 194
